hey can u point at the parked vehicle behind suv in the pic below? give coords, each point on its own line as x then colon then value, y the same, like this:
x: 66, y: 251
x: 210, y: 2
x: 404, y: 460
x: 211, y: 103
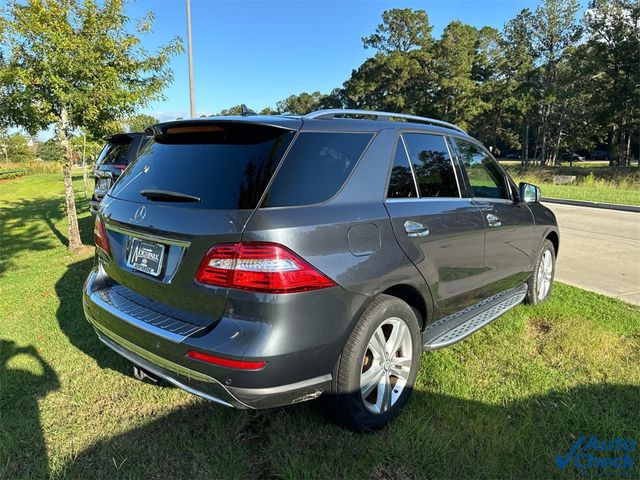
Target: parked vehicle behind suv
x: 265, y: 260
x: 119, y: 151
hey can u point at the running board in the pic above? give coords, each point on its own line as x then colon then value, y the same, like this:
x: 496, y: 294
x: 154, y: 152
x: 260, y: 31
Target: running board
x: 457, y: 326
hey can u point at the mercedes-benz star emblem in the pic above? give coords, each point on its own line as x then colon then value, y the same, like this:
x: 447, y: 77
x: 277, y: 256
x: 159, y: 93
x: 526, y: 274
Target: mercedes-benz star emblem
x: 140, y: 214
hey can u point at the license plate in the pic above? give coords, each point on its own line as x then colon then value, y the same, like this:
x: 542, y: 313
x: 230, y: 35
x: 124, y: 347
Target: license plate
x: 104, y: 183
x: 146, y: 256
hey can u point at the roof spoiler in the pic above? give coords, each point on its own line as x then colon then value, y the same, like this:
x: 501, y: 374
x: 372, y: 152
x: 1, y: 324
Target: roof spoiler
x: 215, y: 125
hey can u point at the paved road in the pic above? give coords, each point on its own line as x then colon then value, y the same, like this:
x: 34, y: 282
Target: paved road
x: 599, y: 250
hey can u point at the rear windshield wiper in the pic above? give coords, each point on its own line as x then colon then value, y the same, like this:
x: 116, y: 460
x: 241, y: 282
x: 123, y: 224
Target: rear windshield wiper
x: 168, y: 196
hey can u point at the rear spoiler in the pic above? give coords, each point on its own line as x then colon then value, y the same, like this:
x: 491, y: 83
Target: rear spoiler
x: 124, y: 138
x: 222, y: 126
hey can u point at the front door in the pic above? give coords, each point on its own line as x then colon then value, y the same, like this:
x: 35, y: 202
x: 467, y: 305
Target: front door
x: 509, y: 225
x: 441, y: 232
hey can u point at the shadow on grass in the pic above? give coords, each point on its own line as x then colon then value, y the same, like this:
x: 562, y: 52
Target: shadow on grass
x: 23, y: 453
x: 72, y: 321
x: 31, y: 225
x: 438, y: 436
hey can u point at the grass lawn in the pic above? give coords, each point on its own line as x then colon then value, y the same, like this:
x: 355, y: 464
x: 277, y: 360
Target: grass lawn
x: 500, y: 404
x: 594, y: 182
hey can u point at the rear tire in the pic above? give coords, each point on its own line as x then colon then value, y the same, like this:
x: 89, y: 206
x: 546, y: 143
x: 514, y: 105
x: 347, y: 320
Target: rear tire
x: 377, y: 369
x: 540, y: 283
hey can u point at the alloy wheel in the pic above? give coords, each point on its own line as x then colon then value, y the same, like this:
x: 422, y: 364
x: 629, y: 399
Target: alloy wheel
x: 545, y: 274
x: 386, y: 365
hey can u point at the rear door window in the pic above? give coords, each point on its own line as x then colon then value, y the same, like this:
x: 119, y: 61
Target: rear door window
x: 114, y: 154
x: 227, y: 166
x: 432, y: 165
x: 316, y: 167
x: 401, y: 184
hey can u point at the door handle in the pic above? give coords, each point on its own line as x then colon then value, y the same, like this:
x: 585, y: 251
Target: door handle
x: 415, y: 229
x: 493, y: 220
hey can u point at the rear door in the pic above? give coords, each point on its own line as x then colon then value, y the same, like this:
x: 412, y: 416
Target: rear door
x: 192, y: 187
x: 439, y: 230
x: 509, y: 225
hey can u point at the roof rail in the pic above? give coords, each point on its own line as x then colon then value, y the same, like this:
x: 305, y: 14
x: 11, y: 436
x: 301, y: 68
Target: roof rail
x: 333, y: 112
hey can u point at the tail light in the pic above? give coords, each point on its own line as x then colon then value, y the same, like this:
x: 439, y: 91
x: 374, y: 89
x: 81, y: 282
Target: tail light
x: 100, y: 235
x: 262, y: 267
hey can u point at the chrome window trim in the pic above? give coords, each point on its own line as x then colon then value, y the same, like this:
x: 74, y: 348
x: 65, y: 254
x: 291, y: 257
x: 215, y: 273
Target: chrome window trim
x: 428, y: 199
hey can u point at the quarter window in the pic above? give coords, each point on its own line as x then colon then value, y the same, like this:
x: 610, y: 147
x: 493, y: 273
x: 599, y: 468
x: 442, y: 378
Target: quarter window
x: 432, y: 165
x: 401, y: 183
x: 316, y: 167
x: 485, y: 177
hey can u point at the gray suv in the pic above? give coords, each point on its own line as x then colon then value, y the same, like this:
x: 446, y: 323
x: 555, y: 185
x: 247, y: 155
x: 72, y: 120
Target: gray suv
x: 259, y: 261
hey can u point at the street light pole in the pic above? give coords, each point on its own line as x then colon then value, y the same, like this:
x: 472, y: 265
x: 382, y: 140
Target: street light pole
x: 192, y: 99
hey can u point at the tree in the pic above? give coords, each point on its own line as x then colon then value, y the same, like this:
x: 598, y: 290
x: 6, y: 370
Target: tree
x: 521, y: 75
x: 457, y: 97
x: 553, y: 29
x: 235, y: 110
x: 300, y: 104
x: 496, y: 88
x: 399, y: 75
x: 401, y: 30
x: 74, y: 64
x: 138, y: 123
x: 50, y: 151
x: 612, y: 63
x: 16, y: 147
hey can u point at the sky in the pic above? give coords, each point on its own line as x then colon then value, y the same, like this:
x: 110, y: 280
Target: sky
x: 259, y: 52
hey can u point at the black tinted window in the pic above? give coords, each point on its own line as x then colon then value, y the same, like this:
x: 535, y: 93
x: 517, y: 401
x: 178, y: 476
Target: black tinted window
x: 227, y: 168
x: 401, y: 183
x: 485, y: 177
x: 316, y: 167
x: 432, y: 165
x: 114, y: 154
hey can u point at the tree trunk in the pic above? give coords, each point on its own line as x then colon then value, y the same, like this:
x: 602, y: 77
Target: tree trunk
x: 72, y: 217
x: 84, y: 165
x: 543, y: 133
x: 556, y: 160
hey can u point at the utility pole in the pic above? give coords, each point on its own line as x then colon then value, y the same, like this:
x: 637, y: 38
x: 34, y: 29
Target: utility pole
x: 192, y: 99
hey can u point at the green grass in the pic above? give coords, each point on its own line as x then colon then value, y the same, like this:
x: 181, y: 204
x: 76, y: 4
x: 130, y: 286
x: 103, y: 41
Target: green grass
x: 619, y: 185
x: 500, y: 404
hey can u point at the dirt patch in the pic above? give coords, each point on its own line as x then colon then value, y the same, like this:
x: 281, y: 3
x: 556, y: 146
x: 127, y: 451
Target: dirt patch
x: 390, y: 472
x: 541, y: 328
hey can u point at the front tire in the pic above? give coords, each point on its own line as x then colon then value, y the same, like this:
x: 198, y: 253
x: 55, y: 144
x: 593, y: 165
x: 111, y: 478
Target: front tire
x: 540, y: 283
x: 378, y: 367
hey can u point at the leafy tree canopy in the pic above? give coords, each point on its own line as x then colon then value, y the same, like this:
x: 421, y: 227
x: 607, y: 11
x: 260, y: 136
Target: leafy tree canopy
x: 138, y: 123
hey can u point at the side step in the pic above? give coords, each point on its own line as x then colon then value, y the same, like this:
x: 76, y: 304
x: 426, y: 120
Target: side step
x: 457, y: 326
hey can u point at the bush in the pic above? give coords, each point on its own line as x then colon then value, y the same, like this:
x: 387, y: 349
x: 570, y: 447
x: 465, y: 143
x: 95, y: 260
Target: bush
x: 14, y: 173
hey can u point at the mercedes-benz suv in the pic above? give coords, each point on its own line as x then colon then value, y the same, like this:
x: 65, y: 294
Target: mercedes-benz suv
x: 119, y: 151
x: 259, y: 261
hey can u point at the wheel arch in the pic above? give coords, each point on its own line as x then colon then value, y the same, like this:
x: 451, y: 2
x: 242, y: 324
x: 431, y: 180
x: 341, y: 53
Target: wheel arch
x: 413, y: 298
x: 554, y: 238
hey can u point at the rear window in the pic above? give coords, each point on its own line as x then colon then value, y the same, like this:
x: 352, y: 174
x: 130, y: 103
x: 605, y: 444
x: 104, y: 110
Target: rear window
x: 226, y: 166
x: 316, y: 167
x: 114, y: 154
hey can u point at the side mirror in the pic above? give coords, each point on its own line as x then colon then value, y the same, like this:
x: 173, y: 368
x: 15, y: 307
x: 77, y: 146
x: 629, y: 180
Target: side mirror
x: 529, y: 193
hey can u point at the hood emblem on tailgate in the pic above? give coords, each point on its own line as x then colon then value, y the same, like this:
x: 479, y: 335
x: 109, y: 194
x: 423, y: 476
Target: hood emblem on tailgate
x: 140, y: 214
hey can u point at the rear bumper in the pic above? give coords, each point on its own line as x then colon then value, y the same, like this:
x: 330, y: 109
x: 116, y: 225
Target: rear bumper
x: 289, y: 377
